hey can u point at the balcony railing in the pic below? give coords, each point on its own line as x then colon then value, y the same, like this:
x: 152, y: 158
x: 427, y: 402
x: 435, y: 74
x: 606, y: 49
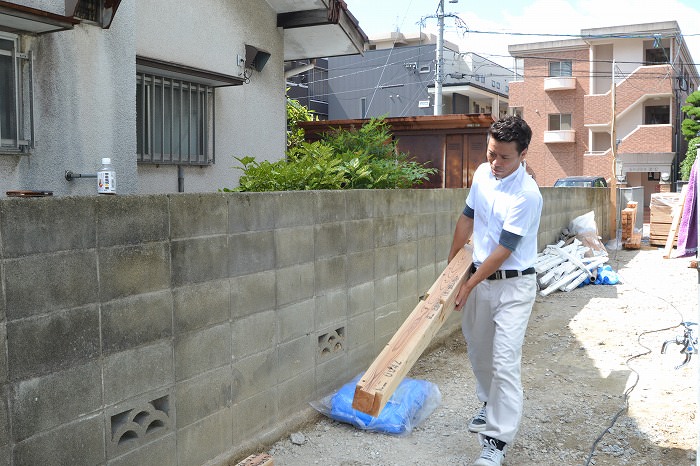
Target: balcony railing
x: 559, y: 83
x: 559, y: 136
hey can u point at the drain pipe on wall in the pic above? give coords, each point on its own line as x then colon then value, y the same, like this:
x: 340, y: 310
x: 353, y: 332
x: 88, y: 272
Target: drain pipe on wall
x: 180, y: 179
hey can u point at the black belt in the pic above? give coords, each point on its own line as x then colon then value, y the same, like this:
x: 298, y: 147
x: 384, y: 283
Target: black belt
x: 500, y: 274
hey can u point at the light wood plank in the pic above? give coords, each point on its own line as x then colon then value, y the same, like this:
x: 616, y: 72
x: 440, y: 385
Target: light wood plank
x: 387, y: 371
x: 677, y: 213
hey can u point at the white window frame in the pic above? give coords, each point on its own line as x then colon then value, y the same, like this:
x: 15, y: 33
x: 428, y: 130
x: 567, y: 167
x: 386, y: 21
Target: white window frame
x: 17, y: 113
x: 560, y: 69
x: 560, y: 122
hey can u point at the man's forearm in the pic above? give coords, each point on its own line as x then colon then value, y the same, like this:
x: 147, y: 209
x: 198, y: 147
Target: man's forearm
x: 463, y: 232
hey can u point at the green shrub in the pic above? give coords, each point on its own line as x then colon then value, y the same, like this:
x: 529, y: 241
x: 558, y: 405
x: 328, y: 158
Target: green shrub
x: 690, y: 155
x: 364, y: 158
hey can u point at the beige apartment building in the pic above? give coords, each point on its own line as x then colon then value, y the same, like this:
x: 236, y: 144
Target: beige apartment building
x: 565, y: 92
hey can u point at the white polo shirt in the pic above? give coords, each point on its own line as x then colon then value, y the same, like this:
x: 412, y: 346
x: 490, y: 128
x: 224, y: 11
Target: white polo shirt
x: 514, y: 204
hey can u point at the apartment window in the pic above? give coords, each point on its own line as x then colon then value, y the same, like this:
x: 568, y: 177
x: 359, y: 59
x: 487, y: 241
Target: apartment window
x: 16, y: 118
x: 657, y: 56
x: 516, y: 111
x: 559, y: 122
x: 657, y: 115
x: 519, y: 66
x: 174, y: 121
x: 560, y: 68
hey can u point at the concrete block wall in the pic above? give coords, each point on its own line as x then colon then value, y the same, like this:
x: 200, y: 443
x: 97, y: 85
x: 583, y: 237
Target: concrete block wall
x: 184, y: 329
x: 561, y: 205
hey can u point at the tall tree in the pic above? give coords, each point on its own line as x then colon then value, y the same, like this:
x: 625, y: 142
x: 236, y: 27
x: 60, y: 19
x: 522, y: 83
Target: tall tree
x: 691, y: 125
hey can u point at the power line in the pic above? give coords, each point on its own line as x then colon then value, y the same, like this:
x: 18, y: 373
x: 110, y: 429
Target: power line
x: 586, y: 36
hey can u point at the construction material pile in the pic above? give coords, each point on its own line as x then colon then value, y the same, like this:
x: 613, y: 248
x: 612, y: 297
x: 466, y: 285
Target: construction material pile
x: 574, y: 260
x: 631, y: 238
x: 662, y: 207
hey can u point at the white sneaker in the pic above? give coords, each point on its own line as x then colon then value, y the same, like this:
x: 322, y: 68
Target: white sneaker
x: 478, y: 422
x: 491, y: 455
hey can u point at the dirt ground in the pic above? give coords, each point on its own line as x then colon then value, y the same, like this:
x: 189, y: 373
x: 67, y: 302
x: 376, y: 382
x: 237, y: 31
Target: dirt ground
x: 584, y: 350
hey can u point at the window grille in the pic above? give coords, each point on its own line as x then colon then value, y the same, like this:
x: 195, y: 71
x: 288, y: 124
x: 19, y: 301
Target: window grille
x: 16, y: 99
x: 174, y: 121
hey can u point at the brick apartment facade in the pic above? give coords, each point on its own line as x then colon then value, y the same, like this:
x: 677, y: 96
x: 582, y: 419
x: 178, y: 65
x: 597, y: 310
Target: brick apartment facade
x: 566, y: 96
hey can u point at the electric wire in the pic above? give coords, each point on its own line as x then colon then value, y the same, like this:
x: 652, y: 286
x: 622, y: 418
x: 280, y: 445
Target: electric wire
x: 393, y: 46
x: 630, y: 389
x: 417, y: 54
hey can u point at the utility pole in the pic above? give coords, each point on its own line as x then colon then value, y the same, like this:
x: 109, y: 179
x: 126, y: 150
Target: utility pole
x: 615, y: 192
x: 437, y: 110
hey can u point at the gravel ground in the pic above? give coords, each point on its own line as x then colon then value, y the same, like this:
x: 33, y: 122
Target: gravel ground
x: 584, y: 350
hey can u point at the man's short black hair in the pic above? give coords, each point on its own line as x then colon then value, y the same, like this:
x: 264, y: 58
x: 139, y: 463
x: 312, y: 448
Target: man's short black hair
x: 512, y: 128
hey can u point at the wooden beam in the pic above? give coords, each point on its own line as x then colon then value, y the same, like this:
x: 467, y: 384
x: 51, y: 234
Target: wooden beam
x: 677, y: 213
x: 387, y: 371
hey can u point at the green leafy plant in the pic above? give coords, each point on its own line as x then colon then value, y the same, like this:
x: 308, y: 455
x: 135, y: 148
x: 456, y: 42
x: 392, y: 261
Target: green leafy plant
x: 358, y: 158
x: 690, y: 127
x: 296, y: 113
x: 689, y: 159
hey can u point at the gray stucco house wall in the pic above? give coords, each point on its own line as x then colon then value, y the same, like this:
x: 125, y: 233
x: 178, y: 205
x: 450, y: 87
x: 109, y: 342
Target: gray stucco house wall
x: 81, y: 83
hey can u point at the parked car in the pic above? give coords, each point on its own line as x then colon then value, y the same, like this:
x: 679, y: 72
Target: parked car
x: 581, y: 182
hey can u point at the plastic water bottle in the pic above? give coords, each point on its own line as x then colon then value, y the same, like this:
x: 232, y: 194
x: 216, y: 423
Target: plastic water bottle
x: 106, y: 179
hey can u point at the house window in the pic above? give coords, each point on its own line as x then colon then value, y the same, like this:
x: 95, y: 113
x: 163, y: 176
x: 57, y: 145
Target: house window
x: 174, y: 121
x: 516, y: 111
x: 560, y: 68
x: 559, y: 122
x: 16, y: 119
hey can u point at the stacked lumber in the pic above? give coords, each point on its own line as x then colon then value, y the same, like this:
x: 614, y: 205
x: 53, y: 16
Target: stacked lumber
x: 630, y: 238
x: 564, y: 266
x: 672, y: 238
x: 662, y: 207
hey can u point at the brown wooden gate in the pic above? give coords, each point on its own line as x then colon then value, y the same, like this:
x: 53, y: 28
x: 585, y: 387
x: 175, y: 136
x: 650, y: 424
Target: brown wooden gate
x: 463, y: 154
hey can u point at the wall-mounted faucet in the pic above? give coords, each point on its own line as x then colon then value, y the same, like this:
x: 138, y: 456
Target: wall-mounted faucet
x: 70, y: 176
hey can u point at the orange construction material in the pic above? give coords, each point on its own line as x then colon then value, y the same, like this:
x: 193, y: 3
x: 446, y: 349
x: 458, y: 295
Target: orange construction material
x: 262, y: 459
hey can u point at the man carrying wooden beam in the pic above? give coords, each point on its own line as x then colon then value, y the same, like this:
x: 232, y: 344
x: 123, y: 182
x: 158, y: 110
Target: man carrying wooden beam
x: 502, y: 216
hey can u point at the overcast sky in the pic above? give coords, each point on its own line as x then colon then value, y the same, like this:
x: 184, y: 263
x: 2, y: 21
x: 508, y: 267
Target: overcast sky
x: 524, y: 16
